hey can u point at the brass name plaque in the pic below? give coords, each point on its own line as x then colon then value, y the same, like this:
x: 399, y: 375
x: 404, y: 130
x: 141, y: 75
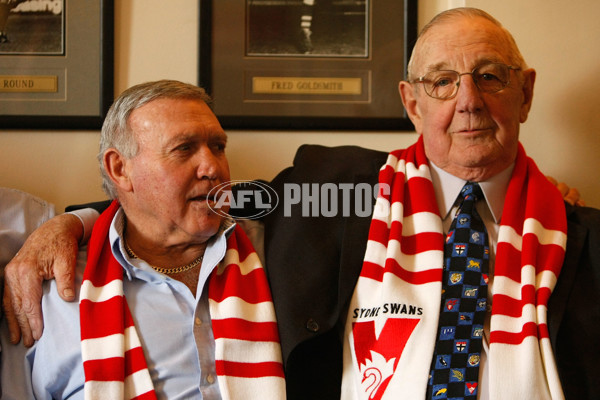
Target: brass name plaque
x: 302, y: 85
x: 28, y: 83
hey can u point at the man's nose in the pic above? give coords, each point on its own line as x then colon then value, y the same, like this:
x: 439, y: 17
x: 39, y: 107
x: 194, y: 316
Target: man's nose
x: 207, y: 163
x: 468, y: 98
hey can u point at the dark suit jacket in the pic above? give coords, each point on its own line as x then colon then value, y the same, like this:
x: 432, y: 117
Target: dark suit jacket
x: 313, y: 264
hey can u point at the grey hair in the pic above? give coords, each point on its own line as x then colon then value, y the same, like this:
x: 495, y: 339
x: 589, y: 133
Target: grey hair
x: 116, y: 132
x: 516, y: 57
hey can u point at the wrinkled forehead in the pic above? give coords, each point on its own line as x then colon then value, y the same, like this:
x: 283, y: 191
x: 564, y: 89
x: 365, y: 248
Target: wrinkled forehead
x: 461, y: 43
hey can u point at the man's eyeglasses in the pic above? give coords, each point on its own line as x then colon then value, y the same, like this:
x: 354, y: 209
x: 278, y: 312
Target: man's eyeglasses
x: 443, y: 84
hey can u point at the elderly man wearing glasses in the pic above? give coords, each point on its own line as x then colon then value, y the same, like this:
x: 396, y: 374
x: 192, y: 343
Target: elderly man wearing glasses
x: 471, y: 278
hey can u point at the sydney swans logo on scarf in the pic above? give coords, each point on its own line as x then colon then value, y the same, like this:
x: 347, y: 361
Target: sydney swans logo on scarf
x: 379, y: 348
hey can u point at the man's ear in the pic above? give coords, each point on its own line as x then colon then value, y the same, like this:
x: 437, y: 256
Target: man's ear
x: 409, y: 99
x: 115, y: 165
x: 528, y: 82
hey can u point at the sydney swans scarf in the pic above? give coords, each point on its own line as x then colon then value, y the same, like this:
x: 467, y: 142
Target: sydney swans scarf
x: 248, y: 355
x: 393, y: 316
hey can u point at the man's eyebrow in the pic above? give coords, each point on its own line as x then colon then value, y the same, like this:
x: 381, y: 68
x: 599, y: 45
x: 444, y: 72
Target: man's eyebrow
x: 218, y: 135
x: 193, y: 136
x: 444, y: 65
x: 181, y: 137
x: 437, y: 67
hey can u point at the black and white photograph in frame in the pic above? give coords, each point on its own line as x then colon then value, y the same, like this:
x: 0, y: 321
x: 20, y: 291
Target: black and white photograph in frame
x: 32, y: 27
x: 307, y: 28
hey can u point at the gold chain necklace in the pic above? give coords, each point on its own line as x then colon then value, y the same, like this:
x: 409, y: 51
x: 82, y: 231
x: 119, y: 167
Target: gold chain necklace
x: 167, y: 271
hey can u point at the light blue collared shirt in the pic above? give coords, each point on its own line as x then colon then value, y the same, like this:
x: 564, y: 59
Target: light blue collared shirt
x: 174, y: 328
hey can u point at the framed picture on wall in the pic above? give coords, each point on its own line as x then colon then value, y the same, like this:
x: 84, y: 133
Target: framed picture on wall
x: 306, y: 64
x: 56, y: 63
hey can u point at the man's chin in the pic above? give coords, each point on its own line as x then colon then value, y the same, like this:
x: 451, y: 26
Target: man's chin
x: 206, y: 227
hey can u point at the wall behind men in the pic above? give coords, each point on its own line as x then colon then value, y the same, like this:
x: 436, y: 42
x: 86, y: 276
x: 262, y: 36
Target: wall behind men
x: 157, y: 39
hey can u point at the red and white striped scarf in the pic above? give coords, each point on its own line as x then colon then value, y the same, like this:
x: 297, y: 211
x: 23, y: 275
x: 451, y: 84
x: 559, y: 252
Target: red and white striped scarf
x: 393, y: 317
x: 247, y: 350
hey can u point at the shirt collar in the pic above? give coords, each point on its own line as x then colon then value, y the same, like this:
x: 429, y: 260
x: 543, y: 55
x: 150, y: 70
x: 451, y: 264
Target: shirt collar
x: 447, y: 187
